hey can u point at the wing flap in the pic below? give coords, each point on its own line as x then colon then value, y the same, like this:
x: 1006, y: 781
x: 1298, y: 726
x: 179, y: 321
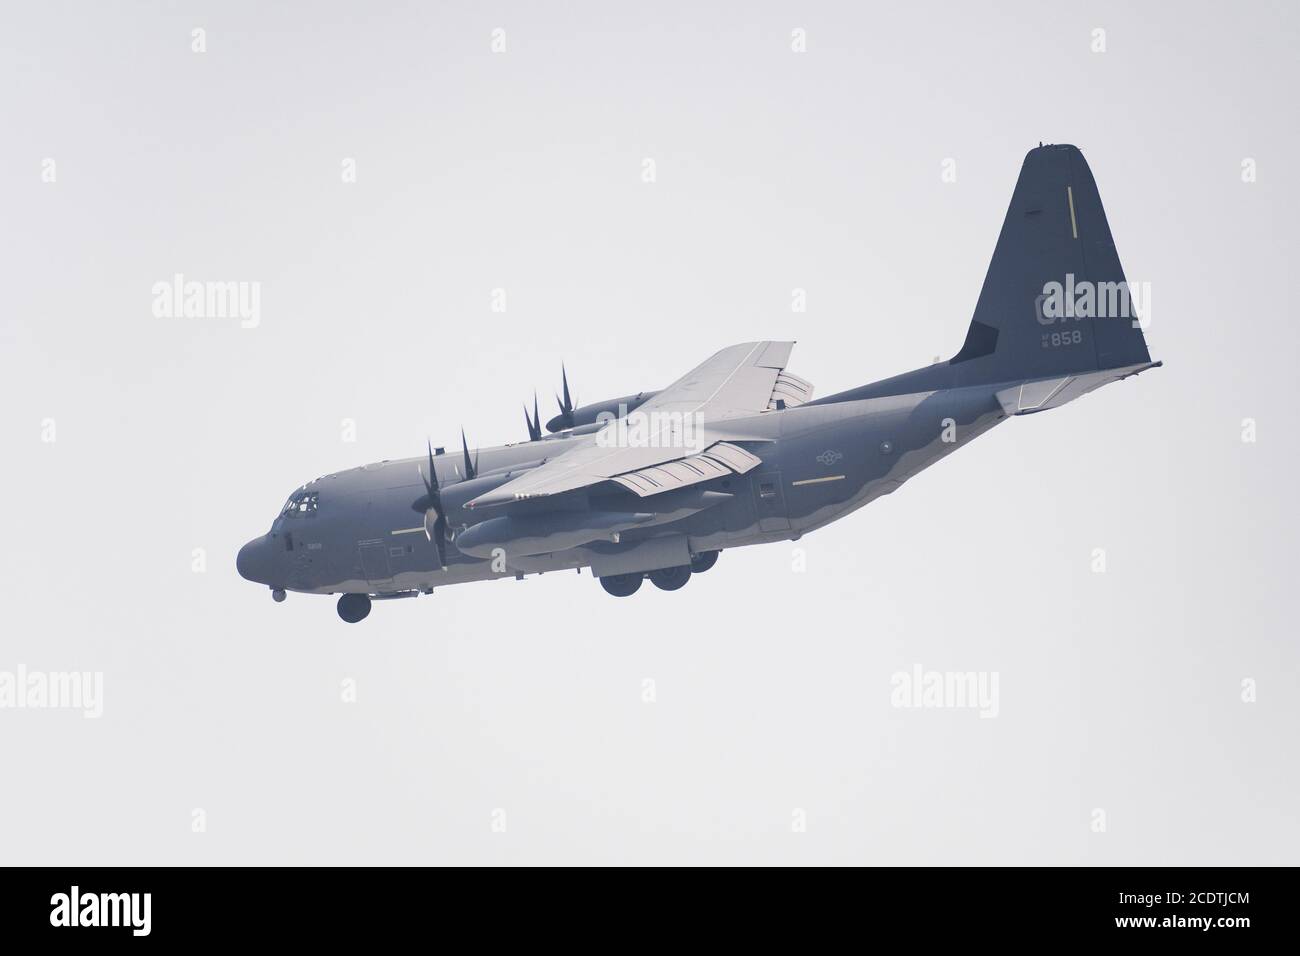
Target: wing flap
x: 734, y: 457
x: 790, y: 389
x: 718, y: 460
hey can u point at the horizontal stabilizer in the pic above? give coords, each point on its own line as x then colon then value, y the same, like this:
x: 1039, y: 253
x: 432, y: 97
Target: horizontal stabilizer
x: 1042, y: 394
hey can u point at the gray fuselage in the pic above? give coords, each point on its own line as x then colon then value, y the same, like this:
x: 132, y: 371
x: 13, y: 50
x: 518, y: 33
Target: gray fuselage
x: 361, y: 531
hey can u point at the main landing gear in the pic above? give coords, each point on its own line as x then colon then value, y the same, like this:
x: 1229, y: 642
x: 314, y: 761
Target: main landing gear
x: 622, y: 585
x: 704, y: 560
x: 666, y: 579
x: 354, y: 607
x: 670, y: 579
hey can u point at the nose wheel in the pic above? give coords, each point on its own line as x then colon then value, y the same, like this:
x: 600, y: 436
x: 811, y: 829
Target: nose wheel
x: 354, y: 607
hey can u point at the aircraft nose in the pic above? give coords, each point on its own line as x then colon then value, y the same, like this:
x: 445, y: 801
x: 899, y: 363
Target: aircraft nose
x: 254, y: 561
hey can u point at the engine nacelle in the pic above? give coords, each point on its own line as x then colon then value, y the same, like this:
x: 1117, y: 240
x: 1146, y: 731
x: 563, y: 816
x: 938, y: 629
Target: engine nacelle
x: 455, y: 495
x: 587, y: 414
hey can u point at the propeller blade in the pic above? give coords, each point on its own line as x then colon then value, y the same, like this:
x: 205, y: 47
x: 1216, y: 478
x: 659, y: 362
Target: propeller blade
x: 534, y: 421
x: 431, y: 482
x: 435, y: 522
x: 431, y: 497
x: 471, y: 468
x: 566, y: 404
x: 440, y: 539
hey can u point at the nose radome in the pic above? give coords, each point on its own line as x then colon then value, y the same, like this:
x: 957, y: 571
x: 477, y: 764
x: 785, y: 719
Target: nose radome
x: 254, y: 561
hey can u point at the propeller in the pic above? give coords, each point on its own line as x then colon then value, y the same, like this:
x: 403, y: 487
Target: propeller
x: 566, y: 406
x: 430, y: 503
x: 471, y: 467
x: 534, y: 422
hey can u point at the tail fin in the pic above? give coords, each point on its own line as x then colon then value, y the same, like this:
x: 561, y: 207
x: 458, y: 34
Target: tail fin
x: 1055, y: 300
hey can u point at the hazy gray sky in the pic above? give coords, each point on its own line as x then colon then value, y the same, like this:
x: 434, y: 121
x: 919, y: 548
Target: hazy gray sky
x: 524, y: 170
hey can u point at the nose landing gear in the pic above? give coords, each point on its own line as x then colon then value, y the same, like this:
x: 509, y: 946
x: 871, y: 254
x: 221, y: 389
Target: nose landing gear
x: 354, y: 607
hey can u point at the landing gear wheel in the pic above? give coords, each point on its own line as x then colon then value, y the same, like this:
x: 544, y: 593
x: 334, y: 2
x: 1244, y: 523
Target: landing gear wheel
x: 621, y: 585
x: 670, y: 579
x: 354, y: 607
x: 703, y: 561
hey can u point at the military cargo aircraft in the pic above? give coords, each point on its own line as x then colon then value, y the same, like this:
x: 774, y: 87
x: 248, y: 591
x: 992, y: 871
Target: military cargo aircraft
x: 736, y: 452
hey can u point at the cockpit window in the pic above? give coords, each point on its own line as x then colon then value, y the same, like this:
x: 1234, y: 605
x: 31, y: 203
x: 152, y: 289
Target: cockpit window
x: 301, y: 504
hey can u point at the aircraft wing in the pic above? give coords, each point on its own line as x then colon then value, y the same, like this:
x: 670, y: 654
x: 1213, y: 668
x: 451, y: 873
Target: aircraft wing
x: 742, y: 379
x: 684, y: 432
